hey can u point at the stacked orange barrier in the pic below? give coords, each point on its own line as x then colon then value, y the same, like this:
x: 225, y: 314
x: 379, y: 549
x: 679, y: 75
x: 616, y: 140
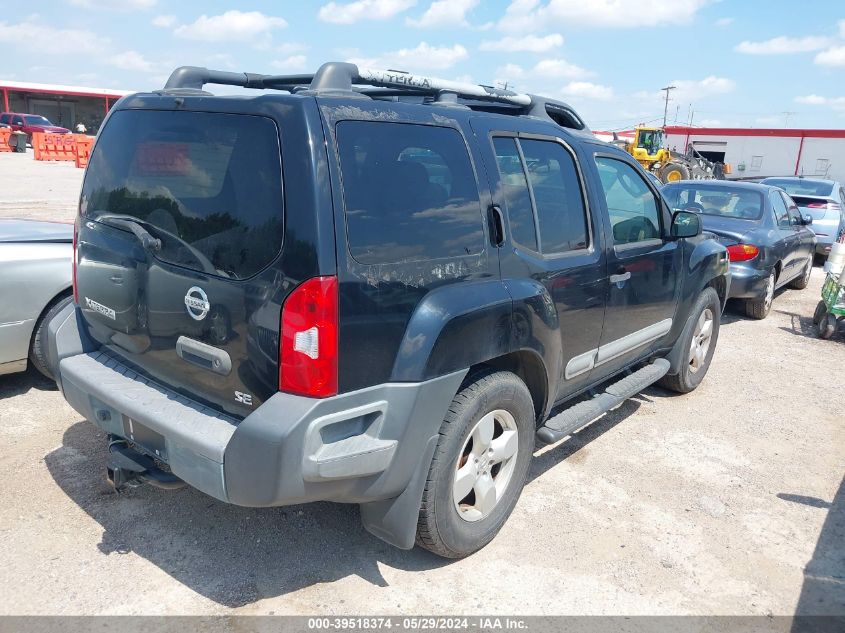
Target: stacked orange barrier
x: 83, y: 149
x: 54, y: 146
x: 5, y: 134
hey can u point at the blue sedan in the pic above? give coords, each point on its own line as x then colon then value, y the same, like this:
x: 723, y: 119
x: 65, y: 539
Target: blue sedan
x: 768, y: 240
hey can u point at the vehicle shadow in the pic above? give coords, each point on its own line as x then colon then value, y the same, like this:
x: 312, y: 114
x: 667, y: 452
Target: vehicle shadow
x: 823, y: 591
x: 19, y: 384
x: 232, y: 555
x: 802, y: 325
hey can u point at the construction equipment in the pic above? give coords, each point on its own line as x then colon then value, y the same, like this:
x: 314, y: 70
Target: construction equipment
x: 669, y: 166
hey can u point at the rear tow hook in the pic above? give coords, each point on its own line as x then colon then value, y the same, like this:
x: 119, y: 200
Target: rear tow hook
x: 128, y: 468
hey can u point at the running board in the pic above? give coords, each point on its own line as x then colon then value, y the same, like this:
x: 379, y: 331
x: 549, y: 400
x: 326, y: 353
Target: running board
x: 570, y: 420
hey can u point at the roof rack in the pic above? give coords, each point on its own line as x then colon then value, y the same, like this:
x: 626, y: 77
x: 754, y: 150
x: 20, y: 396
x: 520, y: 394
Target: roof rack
x: 346, y: 79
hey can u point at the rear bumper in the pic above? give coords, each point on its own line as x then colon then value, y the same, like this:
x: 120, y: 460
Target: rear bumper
x: 357, y: 447
x: 747, y: 282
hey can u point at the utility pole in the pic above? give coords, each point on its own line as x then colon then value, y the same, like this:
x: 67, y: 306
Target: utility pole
x: 666, y: 106
x: 786, y: 116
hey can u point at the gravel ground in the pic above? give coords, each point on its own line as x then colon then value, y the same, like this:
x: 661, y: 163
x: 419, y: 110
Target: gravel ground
x: 729, y: 500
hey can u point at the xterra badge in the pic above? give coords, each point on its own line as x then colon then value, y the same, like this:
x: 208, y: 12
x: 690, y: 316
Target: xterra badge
x: 196, y: 301
x: 99, y: 307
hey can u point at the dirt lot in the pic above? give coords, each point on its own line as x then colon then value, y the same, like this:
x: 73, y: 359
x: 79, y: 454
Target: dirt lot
x: 729, y: 500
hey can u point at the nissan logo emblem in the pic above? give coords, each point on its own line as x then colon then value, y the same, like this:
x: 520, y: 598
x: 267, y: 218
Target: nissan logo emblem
x: 196, y: 301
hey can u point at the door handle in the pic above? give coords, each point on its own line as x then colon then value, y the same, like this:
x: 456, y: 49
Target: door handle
x: 498, y: 225
x: 620, y: 278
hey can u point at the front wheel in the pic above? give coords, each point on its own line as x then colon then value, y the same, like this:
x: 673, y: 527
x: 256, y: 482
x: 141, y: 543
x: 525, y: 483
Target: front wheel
x: 479, y: 468
x: 697, y: 344
x: 827, y: 326
x: 673, y: 172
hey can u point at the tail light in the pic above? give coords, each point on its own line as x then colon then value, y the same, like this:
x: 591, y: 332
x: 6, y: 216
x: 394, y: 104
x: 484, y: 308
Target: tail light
x: 308, y: 343
x: 742, y: 252
x: 73, y: 267
x: 823, y: 205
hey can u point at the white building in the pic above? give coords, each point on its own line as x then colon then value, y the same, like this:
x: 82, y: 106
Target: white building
x: 762, y: 152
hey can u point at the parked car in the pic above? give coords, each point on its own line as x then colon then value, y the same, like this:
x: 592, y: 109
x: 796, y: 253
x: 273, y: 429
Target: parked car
x: 433, y: 282
x: 824, y: 200
x: 35, y: 284
x: 30, y: 123
x: 769, y: 242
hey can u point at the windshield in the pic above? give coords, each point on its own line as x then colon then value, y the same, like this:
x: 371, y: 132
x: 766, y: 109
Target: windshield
x: 741, y: 204
x: 36, y: 120
x: 207, y: 185
x: 801, y: 186
x: 650, y: 140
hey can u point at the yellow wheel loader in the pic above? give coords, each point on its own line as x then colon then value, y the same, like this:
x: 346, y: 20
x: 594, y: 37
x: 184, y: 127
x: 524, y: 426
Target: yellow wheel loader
x: 647, y: 148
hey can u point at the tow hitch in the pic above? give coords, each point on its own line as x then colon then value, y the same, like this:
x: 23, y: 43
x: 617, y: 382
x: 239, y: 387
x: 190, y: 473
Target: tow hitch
x: 128, y: 467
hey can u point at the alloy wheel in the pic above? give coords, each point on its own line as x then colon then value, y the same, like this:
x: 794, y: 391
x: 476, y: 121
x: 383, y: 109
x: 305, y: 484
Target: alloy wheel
x: 485, y: 465
x: 701, y: 338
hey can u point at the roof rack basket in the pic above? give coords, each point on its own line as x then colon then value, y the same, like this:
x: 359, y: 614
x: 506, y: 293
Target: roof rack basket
x: 346, y: 79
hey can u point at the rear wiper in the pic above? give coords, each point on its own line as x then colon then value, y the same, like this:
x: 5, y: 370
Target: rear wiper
x: 147, y: 240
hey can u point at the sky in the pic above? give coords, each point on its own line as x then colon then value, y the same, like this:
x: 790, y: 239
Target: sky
x: 776, y: 63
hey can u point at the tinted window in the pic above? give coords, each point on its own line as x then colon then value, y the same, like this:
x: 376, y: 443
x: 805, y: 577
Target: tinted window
x: 515, y: 193
x: 633, y: 209
x: 208, y: 185
x: 17, y: 120
x: 4, y: 118
x: 557, y: 196
x: 792, y: 209
x: 779, y: 206
x: 743, y: 204
x: 801, y: 186
x: 410, y: 192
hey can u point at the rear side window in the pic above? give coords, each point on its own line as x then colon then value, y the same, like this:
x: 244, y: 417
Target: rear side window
x: 544, y: 173
x: 4, y: 118
x: 208, y: 185
x: 410, y: 192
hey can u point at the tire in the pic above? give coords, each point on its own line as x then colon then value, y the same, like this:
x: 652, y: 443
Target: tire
x: 827, y: 326
x: 38, y: 347
x: 818, y: 315
x: 760, y: 308
x: 673, y: 172
x: 707, y: 308
x: 804, y: 280
x: 454, y: 528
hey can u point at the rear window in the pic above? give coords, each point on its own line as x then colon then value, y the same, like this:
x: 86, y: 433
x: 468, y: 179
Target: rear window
x: 742, y: 204
x: 410, y: 192
x: 801, y: 187
x: 208, y: 185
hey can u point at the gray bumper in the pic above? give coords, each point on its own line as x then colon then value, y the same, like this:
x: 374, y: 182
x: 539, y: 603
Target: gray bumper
x: 363, y: 447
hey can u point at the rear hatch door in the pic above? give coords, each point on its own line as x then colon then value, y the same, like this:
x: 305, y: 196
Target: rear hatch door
x: 181, y: 219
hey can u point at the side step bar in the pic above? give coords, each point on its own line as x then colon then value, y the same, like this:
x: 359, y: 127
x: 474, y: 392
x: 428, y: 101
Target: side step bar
x: 570, y: 420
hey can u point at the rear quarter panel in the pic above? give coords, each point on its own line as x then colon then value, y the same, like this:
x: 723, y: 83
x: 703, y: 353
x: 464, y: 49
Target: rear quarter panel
x: 31, y: 275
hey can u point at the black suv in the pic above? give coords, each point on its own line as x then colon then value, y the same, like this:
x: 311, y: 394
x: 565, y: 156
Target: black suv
x: 369, y: 287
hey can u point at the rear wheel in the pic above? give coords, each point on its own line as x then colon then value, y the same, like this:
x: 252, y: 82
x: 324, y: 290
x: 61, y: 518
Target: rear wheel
x: 804, y: 280
x: 821, y: 310
x: 38, y: 348
x: 697, y: 344
x: 479, y: 468
x: 760, y: 308
x: 673, y: 172
x: 827, y: 326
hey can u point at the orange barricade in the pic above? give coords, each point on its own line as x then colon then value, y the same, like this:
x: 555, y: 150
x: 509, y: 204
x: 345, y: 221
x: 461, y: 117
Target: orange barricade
x: 83, y: 149
x: 5, y: 133
x: 53, y: 146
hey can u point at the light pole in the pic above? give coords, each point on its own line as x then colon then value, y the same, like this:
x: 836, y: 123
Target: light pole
x: 666, y: 106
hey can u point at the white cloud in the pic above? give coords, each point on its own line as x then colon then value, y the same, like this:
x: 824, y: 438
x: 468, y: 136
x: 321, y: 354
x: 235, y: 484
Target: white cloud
x: 811, y: 100
x: 293, y: 64
x: 841, y: 28
x: 422, y: 57
x: 834, y: 56
x: 232, y: 26
x: 289, y: 48
x: 526, y: 15
x: 164, y: 21
x: 133, y: 61
x: 529, y: 43
x: 783, y: 45
x: 351, y: 12
x: 121, y: 5
x: 509, y: 72
x: 43, y: 39
x: 587, y: 90
x: 559, y: 68
x: 722, y: 22
x: 444, y: 13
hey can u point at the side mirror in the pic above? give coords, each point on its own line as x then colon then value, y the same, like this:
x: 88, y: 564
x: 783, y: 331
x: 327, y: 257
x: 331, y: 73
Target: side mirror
x: 807, y: 219
x: 686, y: 224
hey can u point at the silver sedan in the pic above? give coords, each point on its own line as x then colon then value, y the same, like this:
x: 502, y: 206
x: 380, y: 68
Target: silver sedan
x: 35, y: 283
